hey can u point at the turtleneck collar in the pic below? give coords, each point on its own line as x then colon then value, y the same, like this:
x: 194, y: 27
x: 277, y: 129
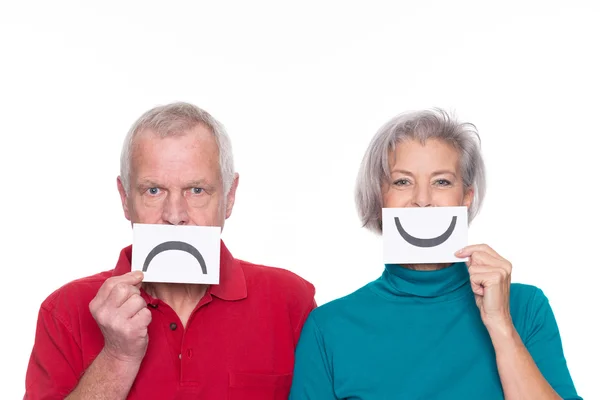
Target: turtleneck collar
x: 440, y: 285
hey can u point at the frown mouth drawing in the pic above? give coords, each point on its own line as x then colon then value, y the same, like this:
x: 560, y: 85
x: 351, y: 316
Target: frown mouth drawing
x: 175, y: 245
x: 429, y: 242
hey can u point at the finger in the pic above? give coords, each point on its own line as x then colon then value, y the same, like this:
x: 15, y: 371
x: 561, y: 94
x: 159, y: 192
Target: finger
x: 120, y: 293
x: 476, y: 285
x: 481, y: 269
x: 481, y: 258
x: 484, y: 259
x: 477, y: 289
x: 467, y: 251
x: 132, y: 306
x: 142, y: 318
x: 487, y: 279
x: 130, y: 278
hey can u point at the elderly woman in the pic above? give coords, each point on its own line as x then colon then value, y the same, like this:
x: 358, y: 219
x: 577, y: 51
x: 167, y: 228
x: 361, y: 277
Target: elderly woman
x: 431, y: 331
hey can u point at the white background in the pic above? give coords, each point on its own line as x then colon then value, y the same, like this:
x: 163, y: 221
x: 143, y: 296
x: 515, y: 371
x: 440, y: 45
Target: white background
x: 301, y: 87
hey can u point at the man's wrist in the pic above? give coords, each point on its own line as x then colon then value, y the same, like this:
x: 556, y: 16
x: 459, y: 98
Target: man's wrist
x: 119, y: 363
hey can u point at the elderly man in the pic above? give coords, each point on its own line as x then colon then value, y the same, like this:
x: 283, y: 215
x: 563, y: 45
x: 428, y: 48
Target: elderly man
x: 110, y: 336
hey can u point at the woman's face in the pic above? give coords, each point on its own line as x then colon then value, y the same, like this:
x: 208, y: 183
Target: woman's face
x: 425, y: 176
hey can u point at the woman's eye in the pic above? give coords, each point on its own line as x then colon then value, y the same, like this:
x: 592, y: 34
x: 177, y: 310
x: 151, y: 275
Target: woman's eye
x: 401, y: 182
x: 443, y: 182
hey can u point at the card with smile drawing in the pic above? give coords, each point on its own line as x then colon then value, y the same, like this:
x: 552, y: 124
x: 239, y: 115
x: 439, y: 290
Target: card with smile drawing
x: 422, y: 235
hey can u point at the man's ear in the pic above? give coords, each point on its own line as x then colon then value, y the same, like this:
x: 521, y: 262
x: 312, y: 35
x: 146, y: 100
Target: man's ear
x: 231, y: 195
x: 123, y: 195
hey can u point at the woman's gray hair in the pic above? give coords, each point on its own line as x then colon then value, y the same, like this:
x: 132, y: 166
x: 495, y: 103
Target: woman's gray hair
x: 175, y: 119
x: 417, y: 125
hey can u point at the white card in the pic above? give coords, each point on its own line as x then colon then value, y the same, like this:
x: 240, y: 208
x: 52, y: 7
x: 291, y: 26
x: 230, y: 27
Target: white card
x: 422, y: 235
x: 177, y: 254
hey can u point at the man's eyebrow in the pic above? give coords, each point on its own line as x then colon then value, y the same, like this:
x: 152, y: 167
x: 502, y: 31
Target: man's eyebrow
x: 197, y: 183
x: 146, y: 182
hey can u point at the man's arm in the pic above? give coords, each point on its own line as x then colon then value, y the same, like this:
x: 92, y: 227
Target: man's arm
x: 106, y: 378
x: 123, y: 318
x: 308, y: 306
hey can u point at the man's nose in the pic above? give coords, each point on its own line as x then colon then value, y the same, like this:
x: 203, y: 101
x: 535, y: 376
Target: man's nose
x: 175, y: 210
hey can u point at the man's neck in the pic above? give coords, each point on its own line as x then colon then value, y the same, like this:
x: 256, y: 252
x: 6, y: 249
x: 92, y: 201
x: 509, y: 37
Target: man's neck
x: 182, y: 298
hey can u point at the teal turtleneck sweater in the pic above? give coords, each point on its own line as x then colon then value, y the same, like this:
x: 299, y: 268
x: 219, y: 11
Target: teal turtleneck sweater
x: 419, y: 335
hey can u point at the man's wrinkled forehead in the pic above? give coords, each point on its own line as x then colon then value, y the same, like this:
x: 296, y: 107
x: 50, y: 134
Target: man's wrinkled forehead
x: 201, y: 131
x: 184, y: 153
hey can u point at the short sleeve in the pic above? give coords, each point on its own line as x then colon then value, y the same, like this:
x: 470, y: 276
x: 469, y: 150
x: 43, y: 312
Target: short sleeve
x: 312, y: 378
x: 544, y: 344
x: 306, y: 308
x: 51, y: 373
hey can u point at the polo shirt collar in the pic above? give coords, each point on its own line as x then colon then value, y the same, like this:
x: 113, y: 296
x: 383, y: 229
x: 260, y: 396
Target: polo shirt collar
x: 232, y: 281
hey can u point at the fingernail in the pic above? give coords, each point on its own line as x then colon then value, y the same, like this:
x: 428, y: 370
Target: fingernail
x: 138, y: 274
x: 458, y: 253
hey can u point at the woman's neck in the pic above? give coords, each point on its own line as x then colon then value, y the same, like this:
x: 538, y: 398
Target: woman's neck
x: 426, y: 267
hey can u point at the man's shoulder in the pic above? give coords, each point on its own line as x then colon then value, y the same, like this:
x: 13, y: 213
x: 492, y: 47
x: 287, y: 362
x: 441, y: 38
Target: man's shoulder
x: 78, y: 292
x: 276, y: 278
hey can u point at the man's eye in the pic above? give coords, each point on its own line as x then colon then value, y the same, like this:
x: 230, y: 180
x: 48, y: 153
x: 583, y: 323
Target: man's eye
x: 154, y: 191
x: 197, y: 190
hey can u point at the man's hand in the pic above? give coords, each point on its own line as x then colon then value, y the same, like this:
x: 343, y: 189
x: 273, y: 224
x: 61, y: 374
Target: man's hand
x: 123, y: 317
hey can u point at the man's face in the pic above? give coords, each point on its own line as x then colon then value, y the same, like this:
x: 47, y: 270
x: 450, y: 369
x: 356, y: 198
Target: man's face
x: 177, y: 180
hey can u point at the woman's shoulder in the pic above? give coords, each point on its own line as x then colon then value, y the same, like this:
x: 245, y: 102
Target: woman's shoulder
x: 530, y: 308
x: 524, y: 295
x: 341, y: 309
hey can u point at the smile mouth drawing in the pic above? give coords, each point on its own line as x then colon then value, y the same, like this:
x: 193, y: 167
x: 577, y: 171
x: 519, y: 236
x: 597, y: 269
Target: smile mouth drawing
x: 175, y: 245
x: 419, y: 242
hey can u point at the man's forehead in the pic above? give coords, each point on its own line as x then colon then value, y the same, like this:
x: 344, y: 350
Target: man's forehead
x: 185, y: 157
x: 151, y: 142
x: 200, y: 131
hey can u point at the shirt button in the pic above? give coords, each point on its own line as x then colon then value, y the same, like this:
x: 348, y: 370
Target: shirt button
x: 173, y: 326
x: 180, y: 356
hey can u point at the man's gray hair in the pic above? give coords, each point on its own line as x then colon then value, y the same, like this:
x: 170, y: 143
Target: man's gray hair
x: 417, y: 125
x: 175, y: 119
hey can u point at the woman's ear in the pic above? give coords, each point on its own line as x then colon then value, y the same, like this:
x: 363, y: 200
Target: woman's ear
x: 468, y: 197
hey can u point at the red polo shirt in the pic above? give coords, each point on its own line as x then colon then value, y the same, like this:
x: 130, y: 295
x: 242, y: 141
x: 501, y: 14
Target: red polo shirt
x: 238, y: 345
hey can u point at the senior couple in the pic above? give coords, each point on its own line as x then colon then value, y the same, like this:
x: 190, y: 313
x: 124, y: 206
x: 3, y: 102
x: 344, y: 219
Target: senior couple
x: 423, y: 331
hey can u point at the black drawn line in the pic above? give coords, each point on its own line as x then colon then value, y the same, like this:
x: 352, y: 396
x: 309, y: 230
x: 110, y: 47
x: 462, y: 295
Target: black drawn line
x: 419, y: 242
x: 175, y: 245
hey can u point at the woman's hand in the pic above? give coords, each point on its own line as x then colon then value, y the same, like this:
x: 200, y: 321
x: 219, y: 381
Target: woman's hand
x: 490, y: 281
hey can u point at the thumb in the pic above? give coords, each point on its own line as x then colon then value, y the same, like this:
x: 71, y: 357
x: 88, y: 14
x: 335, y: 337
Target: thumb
x: 135, y: 277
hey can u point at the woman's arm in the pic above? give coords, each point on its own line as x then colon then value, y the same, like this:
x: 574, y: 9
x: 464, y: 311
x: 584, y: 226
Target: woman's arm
x: 520, y: 376
x: 535, y: 369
